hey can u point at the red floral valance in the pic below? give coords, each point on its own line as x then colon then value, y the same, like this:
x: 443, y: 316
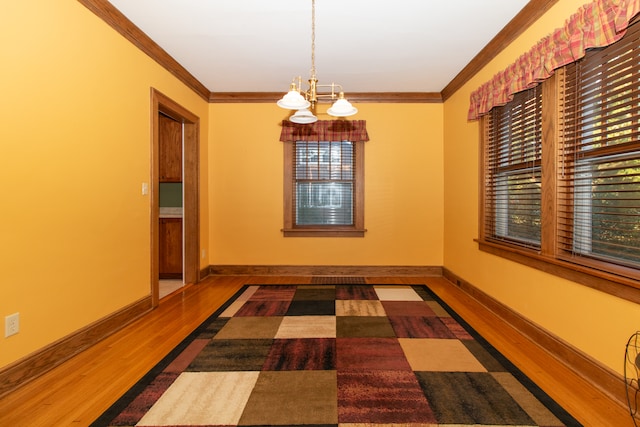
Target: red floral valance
x: 325, y: 130
x: 597, y: 24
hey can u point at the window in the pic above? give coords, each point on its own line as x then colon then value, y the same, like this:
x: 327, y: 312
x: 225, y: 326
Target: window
x: 561, y: 170
x: 324, y: 183
x: 599, y: 183
x: 513, y: 175
x: 324, y: 179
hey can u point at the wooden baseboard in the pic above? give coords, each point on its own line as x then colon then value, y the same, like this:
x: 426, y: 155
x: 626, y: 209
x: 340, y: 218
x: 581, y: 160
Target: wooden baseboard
x: 606, y: 380
x: 323, y: 270
x: 203, y: 273
x: 47, y: 358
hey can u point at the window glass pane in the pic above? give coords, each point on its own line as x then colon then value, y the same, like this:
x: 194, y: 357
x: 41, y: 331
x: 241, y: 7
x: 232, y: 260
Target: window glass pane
x: 324, y: 203
x: 513, y: 176
x: 607, y: 208
x: 607, y: 100
x: 306, y: 161
x: 517, y: 208
x: 324, y: 183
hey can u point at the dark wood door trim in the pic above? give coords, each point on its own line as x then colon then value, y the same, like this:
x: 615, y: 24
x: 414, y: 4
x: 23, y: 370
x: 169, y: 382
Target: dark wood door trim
x: 191, y: 186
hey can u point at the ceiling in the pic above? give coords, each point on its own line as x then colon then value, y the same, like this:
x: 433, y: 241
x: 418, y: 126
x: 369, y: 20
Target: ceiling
x: 363, y: 45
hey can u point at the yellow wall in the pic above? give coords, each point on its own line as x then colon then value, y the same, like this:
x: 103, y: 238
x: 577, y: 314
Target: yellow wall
x: 74, y: 149
x: 594, y: 322
x: 403, y: 189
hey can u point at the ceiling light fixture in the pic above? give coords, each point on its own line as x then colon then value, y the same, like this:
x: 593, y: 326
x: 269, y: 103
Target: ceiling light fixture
x: 301, y: 102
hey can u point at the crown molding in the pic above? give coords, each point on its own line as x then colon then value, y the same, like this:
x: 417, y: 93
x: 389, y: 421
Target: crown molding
x: 114, y: 18
x: 360, y: 97
x: 244, y: 97
x: 392, y: 97
x: 521, y: 22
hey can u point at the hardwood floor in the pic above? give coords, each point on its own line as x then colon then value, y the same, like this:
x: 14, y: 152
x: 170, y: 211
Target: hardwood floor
x: 78, y: 391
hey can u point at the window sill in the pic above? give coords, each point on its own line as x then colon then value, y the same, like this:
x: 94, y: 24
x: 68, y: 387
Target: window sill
x: 323, y: 232
x: 617, y: 285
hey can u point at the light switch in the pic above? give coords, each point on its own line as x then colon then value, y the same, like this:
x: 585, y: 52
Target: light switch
x: 145, y: 188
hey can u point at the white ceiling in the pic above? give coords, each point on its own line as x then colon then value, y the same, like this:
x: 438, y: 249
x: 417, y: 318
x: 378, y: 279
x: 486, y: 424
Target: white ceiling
x: 364, y: 45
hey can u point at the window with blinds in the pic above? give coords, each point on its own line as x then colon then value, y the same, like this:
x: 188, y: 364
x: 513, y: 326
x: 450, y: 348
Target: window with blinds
x: 324, y: 183
x: 599, y: 170
x: 513, y: 171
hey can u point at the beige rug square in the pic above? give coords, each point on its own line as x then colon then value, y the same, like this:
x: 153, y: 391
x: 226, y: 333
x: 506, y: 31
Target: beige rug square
x: 307, y: 327
x: 248, y: 293
x: 398, y: 293
x: 536, y: 410
x: 232, y: 309
x: 359, y: 308
x: 235, y: 306
x: 203, y: 398
x: 439, y: 355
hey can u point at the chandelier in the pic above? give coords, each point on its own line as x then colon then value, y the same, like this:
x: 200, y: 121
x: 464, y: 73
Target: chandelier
x: 305, y: 102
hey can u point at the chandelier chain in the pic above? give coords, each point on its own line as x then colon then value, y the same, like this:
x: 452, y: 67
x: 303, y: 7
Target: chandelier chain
x: 313, y: 39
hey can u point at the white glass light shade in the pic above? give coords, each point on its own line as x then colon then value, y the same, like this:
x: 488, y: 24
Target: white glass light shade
x: 293, y: 100
x: 303, y: 117
x: 342, y: 108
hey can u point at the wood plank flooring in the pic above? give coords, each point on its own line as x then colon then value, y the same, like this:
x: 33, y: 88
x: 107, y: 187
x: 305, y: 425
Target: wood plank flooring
x: 78, y: 391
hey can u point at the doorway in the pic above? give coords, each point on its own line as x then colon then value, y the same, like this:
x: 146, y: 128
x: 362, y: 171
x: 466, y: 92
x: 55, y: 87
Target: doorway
x: 162, y: 106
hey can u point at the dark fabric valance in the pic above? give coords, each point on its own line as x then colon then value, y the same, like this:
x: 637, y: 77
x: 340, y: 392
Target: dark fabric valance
x: 325, y: 130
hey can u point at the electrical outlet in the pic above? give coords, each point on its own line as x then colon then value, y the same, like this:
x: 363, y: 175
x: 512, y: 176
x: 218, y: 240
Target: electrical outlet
x: 11, y: 324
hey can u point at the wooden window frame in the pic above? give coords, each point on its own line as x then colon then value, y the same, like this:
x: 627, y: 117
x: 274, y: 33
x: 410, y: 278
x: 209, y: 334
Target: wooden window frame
x: 290, y: 229
x: 617, y: 280
x: 513, y: 170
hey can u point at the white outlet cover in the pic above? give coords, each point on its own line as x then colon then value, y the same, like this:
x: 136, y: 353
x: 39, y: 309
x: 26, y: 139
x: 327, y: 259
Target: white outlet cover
x: 11, y: 324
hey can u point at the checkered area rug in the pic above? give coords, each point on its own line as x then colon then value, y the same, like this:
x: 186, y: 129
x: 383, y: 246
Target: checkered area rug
x: 335, y: 355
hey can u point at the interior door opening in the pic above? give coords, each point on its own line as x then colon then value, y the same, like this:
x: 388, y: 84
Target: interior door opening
x: 174, y: 202
x: 171, y: 202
